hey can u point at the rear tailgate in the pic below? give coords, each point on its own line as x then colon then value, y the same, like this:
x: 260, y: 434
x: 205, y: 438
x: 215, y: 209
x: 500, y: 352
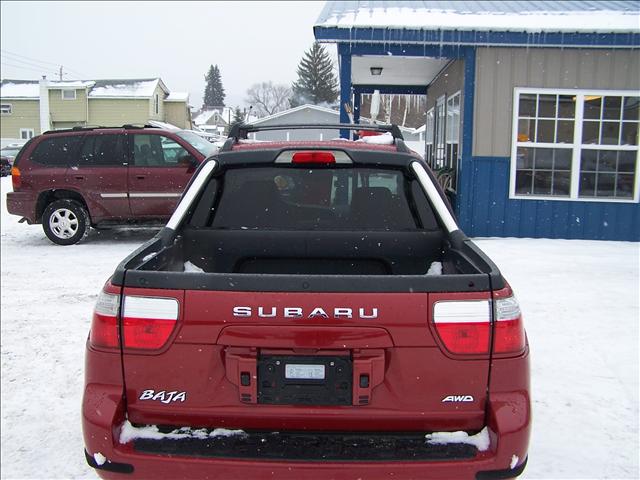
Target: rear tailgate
x: 304, y: 360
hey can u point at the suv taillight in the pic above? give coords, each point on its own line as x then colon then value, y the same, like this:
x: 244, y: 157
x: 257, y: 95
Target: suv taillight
x: 509, y: 336
x: 16, y: 180
x: 148, y: 321
x: 104, y: 326
x: 464, y: 327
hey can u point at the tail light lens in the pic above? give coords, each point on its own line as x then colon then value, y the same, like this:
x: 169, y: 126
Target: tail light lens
x: 148, y: 322
x: 464, y: 327
x: 509, y: 336
x: 16, y: 179
x: 104, y: 326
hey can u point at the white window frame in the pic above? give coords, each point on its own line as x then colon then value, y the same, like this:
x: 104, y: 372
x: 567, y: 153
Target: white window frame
x: 10, y: 105
x: 68, y: 90
x: 576, y: 146
x: 30, y: 133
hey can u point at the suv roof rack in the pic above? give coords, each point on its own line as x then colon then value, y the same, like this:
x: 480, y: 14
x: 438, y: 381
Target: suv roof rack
x: 241, y: 130
x: 89, y: 128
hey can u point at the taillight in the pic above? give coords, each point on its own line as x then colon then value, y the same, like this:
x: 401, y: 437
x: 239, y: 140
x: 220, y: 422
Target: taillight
x: 313, y: 157
x: 16, y: 180
x: 148, y: 321
x: 509, y: 336
x: 464, y: 327
x: 104, y: 326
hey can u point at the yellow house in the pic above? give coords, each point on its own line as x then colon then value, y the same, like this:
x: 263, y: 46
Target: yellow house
x: 30, y: 107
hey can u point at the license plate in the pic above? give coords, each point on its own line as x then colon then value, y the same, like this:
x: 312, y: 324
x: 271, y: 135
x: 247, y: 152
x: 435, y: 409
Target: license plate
x: 304, y: 372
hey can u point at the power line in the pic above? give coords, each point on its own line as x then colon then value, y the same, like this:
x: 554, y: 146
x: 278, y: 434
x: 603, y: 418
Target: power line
x: 7, y: 52
x: 8, y: 55
x: 30, y: 68
x: 22, y: 62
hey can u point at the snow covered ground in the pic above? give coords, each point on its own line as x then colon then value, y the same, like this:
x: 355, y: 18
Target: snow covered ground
x: 580, y: 301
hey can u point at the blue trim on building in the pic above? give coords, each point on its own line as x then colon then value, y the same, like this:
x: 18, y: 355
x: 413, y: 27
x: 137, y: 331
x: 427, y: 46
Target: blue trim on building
x: 390, y: 36
x: 465, y: 178
x: 491, y: 213
x: 345, y: 86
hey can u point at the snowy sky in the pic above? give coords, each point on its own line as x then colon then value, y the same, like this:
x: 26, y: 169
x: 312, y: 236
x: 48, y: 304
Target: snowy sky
x: 177, y: 41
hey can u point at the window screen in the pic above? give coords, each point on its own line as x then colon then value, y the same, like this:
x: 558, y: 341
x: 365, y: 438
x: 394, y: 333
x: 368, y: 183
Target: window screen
x: 316, y: 199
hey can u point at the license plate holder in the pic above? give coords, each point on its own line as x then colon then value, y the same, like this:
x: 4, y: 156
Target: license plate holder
x: 305, y: 380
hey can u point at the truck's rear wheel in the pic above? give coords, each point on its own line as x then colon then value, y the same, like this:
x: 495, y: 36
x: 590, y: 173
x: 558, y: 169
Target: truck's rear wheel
x: 65, y: 222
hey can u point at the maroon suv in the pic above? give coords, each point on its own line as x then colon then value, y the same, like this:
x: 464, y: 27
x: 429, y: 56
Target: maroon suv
x: 71, y: 180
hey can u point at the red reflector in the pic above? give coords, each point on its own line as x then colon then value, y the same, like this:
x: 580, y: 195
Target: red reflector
x: 313, y: 157
x: 104, y: 331
x: 465, y: 338
x: 146, y: 333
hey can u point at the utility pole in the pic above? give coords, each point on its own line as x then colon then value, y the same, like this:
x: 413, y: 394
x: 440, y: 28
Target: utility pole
x: 60, y: 73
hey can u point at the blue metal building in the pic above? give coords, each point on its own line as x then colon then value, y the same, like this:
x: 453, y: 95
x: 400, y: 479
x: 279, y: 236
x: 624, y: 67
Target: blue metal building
x: 532, y: 107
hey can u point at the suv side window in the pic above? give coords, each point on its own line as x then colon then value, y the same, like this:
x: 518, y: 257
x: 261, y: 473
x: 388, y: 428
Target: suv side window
x: 56, y: 151
x: 156, y: 151
x: 102, y: 150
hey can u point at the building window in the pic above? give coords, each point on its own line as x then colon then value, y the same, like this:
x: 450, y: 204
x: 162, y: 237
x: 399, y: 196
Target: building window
x: 68, y: 94
x: 443, y: 139
x: 6, y: 109
x: 428, y: 133
x: 156, y: 104
x: 27, y: 133
x: 575, y: 145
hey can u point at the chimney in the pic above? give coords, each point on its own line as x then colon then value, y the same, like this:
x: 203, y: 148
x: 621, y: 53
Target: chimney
x: 45, y: 117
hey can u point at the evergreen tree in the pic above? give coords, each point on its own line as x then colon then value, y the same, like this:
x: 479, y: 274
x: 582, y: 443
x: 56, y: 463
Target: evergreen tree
x: 213, y: 90
x: 238, y: 116
x: 316, y: 82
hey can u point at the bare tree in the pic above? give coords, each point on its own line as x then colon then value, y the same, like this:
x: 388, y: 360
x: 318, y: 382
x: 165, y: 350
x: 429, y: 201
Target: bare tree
x: 268, y: 98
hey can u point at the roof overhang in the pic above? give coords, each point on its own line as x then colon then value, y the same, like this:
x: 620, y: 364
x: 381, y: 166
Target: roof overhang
x: 396, y: 70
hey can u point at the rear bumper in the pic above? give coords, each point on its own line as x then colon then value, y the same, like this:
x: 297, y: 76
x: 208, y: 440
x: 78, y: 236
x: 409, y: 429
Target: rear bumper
x: 104, y: 413
x: 22, y: 204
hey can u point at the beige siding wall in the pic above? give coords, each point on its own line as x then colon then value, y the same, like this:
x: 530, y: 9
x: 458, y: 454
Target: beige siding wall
x: 177, y: 113
x: 450, y: 81
x: 112, y: 112
x: 25, y: 114
x: 500, y: 70
x: 161, y: 96
x: 68, y: 110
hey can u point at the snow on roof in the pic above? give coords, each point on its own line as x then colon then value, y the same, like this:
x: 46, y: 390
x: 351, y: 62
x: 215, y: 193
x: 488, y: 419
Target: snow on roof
x: 124, y: 88
x: 75, y: 84
x: 516, y: 16
x: 177, y: 97
x: 203, y: 117
x: 296, y: 109
x: 19, y: 89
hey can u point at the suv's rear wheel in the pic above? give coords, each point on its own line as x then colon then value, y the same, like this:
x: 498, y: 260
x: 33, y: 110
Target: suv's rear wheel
x: 65, y: 222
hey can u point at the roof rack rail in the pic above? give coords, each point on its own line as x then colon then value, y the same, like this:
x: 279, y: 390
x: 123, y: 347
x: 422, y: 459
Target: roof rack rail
x: 76, y: 129
x: 241, y: 130
x: 138, y: 125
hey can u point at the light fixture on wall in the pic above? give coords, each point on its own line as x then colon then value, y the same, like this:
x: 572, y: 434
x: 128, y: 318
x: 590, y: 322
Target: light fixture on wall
x: 376, y: 70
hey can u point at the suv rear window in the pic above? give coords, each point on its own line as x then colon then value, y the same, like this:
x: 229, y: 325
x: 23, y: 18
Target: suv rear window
x: 282, y: 198
x: 56, y: 151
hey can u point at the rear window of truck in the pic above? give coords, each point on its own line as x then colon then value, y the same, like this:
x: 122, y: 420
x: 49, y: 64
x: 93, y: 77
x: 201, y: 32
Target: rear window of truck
x: 56, y: 151
x: 284, y: 198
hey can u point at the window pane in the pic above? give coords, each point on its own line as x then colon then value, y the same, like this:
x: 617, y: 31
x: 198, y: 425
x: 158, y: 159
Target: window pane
x: 631, y: 108
x: 562, y: 159
x: 524, y: 158
x: 561, y: 183
x: 546, y: 130
x: 524, y: 180
x: 587, y: 184
x: 626, y: 161
x: 629, y: 133
x: 526, y: 130
x: 57, y: 151
x: 547, y: 106
x: 624, y: 187
x: 543, y: 158
x: 605, y: 184
x: 607, y: 161
x: 527, y: 107
x: 566, y: 106
x: 590, y: 132
x: 542, y: 183
x: 589, y: 161
x: 592, y: 106
x: 565, y: 131
x: 611, y: 110
x: 610, y: 133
